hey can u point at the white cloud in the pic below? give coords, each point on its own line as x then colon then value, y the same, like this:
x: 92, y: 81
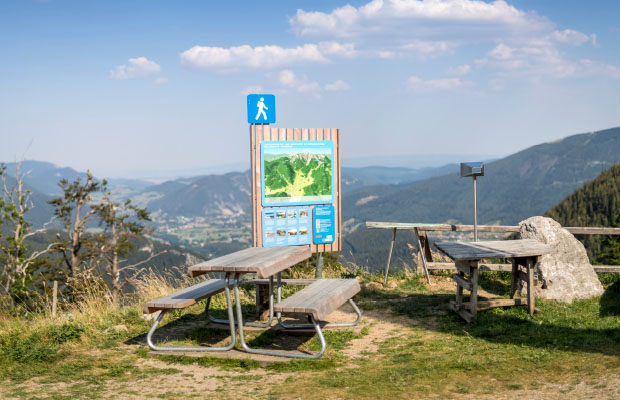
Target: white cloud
x: 252, y: 90
x: 569, y: 36
x: 338, y: 85
x: 460, y: 70
x: 244, y: 57
x: 161, y: 80
x: 417, y: 84
x: 381, y: 15
x: 428, y: 47
x: 346, y: 50
x: 288, y: 79
x: 136, y: 68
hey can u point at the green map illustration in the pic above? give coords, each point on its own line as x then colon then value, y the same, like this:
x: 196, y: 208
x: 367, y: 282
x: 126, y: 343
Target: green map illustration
x: 298, y: 176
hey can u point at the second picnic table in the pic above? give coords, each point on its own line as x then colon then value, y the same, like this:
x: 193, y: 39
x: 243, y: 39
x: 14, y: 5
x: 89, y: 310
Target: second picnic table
x: 467, y: 255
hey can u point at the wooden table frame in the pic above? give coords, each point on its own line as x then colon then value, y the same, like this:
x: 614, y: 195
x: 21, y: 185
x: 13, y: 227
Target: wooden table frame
x: 467, y: 257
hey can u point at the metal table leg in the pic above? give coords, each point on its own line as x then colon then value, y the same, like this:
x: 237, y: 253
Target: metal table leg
x: 245, y: 346
x: 253, y: 324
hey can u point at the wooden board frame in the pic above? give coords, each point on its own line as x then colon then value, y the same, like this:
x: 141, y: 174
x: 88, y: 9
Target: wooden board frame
x: 260, y: 133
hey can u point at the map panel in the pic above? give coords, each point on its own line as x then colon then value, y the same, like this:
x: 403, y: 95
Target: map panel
x: 297, y: 172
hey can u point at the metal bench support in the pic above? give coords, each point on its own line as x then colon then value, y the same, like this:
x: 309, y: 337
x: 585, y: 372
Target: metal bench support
x: 231, y: 321
x: 247, y: 348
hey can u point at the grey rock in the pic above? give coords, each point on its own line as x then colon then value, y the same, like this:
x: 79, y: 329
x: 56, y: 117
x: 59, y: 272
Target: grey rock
x: 566, y: 274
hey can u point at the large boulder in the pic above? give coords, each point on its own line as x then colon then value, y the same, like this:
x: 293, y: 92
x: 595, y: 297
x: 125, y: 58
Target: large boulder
x: 566, y: 274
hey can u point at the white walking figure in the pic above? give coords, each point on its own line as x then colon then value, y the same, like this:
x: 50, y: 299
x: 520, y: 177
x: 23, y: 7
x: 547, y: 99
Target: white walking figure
x: 261, y: 109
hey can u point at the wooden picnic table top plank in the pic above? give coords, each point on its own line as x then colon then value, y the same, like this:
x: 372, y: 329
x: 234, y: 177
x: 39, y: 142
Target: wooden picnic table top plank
x: 470, y: 251
x: 264, y: 261
x: 440, y: 227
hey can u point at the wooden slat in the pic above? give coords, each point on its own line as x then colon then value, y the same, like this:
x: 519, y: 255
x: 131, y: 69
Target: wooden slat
x: 466, y: 315
x: 575, y: 230
x: 463, y: 282
x: 493, y: 249
x: 289, y: 133
x: 264, y: 261
x: 304, y: 133
x: 186, y: 297
x: 284, y: 282
x: 606, y: 268
x: 320, y: 298
x: 482, y: 267
x: 440, y: 227
x: 591, y: 230
x: 296, y: 134
x: 495, y: 303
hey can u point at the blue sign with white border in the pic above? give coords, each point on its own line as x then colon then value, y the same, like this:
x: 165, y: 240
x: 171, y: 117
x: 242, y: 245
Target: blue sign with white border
x: 286, y: 226
x: 261, y: 109
x: 323, y: 224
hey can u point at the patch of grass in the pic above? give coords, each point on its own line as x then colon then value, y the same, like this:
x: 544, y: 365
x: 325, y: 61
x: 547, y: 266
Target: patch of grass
x: 302, y: 365
x: 224, y: 363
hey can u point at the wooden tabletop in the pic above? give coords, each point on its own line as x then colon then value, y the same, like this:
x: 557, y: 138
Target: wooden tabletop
x: 470, y: 251
x: 421, y: 226
x: 264, y: 261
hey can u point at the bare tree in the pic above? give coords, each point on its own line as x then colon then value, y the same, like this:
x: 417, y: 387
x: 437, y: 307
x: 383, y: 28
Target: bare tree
x: 74, y: 208
x: 15, y: 202
x: 123, y: 223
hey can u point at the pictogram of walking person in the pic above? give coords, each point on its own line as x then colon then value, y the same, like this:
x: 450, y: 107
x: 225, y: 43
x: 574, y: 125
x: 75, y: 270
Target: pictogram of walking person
x: 261, y: 109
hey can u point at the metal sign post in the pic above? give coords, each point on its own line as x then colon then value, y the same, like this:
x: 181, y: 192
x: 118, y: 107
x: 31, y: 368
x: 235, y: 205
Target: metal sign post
x: 473, y: 169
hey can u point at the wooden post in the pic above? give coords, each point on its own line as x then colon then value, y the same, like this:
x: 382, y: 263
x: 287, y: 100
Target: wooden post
x: 387, y: 267
x: 530, y: 283
x: 54, y: 298
x: 473, y: 301
x: 421, y: 252
x: 514, y: 278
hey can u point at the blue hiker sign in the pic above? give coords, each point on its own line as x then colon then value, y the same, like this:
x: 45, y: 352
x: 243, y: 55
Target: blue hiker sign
x: 261, y: 109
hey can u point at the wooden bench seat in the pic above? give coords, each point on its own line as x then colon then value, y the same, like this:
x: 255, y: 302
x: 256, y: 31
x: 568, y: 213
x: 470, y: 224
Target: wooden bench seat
x: 186, y: 297
x: 320, y: 298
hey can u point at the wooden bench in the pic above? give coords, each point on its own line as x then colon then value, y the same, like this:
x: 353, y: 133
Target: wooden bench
x: 317, y: 300
x: 188, y: 297
x: 320, y: 298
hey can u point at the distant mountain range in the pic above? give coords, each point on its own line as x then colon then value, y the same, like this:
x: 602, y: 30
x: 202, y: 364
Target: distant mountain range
x: 514, y: 188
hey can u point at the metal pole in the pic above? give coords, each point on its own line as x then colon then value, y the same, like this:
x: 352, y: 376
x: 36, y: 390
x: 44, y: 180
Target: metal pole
x: 475, y: 213
x: 319, y: 266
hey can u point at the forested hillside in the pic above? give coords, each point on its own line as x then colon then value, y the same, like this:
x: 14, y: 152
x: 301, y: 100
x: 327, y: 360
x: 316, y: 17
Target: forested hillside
x: 597, y: 203
x: 514, y: 188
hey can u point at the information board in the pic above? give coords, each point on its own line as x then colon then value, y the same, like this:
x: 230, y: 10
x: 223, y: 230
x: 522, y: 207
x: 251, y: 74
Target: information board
x: 324, y: 224
x: 297, y: 172
x: 286, y: 226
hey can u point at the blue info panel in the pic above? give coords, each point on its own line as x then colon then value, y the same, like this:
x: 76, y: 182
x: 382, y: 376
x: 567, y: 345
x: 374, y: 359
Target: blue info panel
x: 261, y: 109
x: 324, y: 219
x: 286, y: 226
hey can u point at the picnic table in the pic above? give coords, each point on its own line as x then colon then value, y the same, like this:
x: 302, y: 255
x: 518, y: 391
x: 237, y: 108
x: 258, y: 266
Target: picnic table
x: 317, y: 300
x: 467, y: 255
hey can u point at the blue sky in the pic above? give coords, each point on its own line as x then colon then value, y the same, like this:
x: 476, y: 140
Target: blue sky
x: 153, y: 88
